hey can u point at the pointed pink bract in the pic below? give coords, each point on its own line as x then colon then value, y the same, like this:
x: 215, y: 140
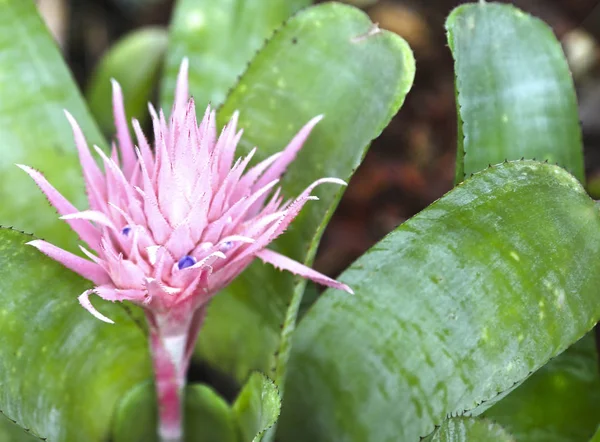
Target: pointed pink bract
x: 173, y: 224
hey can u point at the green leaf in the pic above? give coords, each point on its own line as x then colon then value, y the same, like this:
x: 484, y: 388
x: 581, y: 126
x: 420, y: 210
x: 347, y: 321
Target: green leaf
x: 323, y: 61
x: 514, y: 90
x: 596, y: 437
x: 135, y: 62
x: 470, y: 430
x: 61, y: 370
x: 35, y: 87
x: 452, y: 310
x: 257, y: 407
x: 208, y: 417
x: 559, y: 402
x: 219, y: 38
x: 11, y: 432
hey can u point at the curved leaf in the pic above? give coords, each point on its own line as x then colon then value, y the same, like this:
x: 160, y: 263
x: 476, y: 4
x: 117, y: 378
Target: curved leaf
x: 257, y: 407
x: 456, y: 306
x: 559, y: 402
x: 219, y: 38
x: 514, y: 90
x: 328, y: 60
x: 61, y: 370
x: 470, y: 430
x: 135, y: 62
x: 208, y: 417
x: 35, y: 87
x: 11, y: 432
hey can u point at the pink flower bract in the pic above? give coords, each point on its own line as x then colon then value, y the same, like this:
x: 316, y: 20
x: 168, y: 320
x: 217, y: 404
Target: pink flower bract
x: 171, y: 225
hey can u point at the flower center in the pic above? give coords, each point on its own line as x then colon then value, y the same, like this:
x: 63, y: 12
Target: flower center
x: 186, y: 261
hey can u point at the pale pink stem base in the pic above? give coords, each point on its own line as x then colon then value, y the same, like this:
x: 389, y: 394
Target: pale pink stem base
x: 171, y: 344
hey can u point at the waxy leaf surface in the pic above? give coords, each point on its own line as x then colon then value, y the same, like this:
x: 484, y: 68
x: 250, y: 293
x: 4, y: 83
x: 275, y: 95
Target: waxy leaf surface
x: 35, y: 87
x: 219, y: 38
x: 462, y: 429
x: 559, y: 402
x: 257, y: 407
x: 62, y: 371
x: 327, y: 60
x: 452, y: 310
x: 11, y: 432
x: 515, y: 94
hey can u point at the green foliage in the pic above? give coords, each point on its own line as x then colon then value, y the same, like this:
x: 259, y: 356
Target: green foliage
x: 559, y: 402
x: 453, y: 310
x: 257, y: 407
x: 469, y: 430
x: 11, y: 432
x: 208, y: 417
x: 516, y: 98
x: 243, y: 324
x: 61, y: 370
x: 35, y: 87
x: 219, y: 38
x: 596, y: 437
x: 135, y: 62
x: 514, y: 90
x: 455, y: 307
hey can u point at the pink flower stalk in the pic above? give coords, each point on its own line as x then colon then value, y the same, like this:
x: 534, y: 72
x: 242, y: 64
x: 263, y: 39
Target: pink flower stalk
x: 170, y: 226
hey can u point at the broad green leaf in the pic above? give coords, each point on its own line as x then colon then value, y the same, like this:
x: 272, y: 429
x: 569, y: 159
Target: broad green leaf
x: 219, y: 38
x: 596, y: 437
x: 11, y: 432
x: 61, y: 370
x: 257, y: 407
x: 135, y: 62
x: 452, y: 309
x: 559, y: 402
x: 208, y: 417
x: 470, y: 430
x: 514, y: 90
x: 35, y: 87
x: 328, y: 59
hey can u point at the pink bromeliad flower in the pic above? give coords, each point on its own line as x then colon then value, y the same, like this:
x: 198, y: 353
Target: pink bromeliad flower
x: 170, y: 226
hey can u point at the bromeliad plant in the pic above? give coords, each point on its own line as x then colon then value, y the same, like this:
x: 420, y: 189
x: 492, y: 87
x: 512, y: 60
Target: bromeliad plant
x: 467, y: 301
x: 174, y: 225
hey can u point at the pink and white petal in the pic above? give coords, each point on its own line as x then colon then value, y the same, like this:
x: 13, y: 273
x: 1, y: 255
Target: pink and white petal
x: 84, y: 300
x: 110, y: 293
x: 125, y: 274
x: 207, y: 261
x: 90, y: 255
x: 144, y: 146
x: 94, y: 179
x: 208, y: 131
x: 180, y: 240
x: 156, y: 221
x: 244, y: 209
x: 181, y: 89
x: 282, y: 262
x: 272, y: 231
x: 91, y: 215
x: 89, y: 270
x: 247, y: 182
x: 288, y: 154
x: 84, y: 229
x: 159, y: 294
x: 123, y: 136
x: 225, y: 149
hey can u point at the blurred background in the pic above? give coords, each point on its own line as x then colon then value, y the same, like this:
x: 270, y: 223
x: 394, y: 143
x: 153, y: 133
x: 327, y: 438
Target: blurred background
x: 412, y: 163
